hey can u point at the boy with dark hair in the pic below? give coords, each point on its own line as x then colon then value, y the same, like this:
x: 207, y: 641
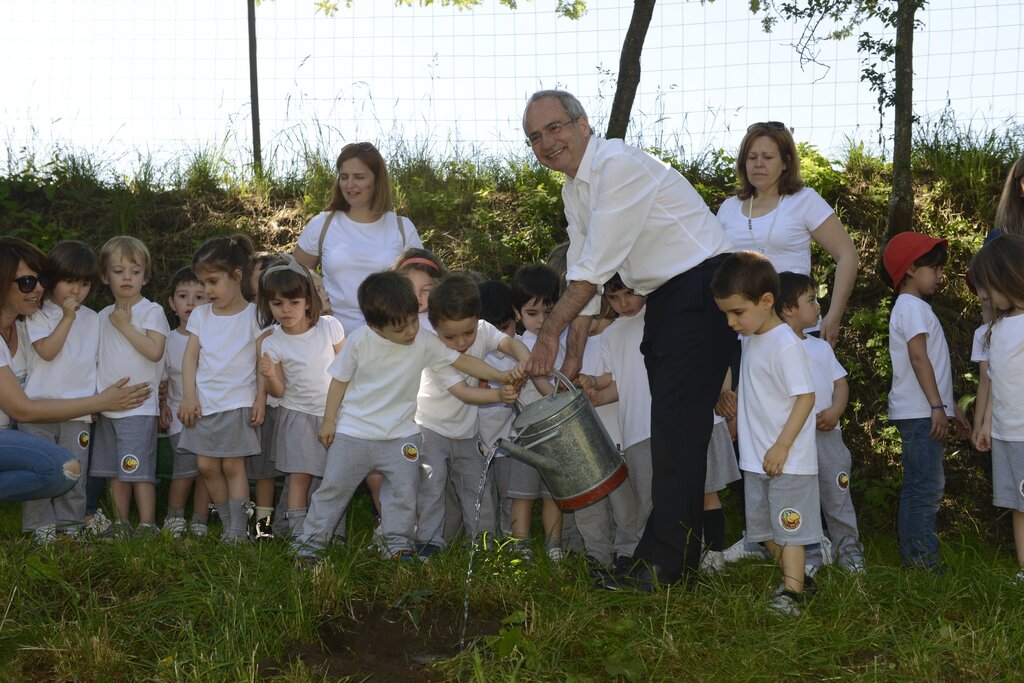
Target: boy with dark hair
x: 447, y: 414
x: 774, y: 426
x: 921, y: 400
x: 534, y: 293
x: 368, y: 419
x: 797, y: 305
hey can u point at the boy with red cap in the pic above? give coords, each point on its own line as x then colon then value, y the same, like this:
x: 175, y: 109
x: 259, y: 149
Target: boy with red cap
x: 921, y: 401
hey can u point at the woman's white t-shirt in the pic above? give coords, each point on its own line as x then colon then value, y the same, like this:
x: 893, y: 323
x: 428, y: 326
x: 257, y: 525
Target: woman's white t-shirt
x: 774, y: 370
x: 72, y: 372
x: 783, y: 234
x: 18, y: 364
x: 910, y: 317
x: 118, y: 358
x: 1006, y: 368
x: 304, y: 358
x: 351, y: 252
x: 226, y: 376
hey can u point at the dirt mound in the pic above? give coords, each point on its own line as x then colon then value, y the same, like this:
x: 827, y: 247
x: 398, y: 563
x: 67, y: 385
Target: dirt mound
x: 386, y: 644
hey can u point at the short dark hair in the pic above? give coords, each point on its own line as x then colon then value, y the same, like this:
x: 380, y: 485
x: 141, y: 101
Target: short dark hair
x: 936, y: 256
x: 455, y: 297
x: 286, y: 283
x: 496, y: 302
x: 387, y: 298
x: 423, y: 260
x: 747, y: 273
x: 615, y: 284
x: 792, y: 286
x: 534, y: 282
x: 71, y: 261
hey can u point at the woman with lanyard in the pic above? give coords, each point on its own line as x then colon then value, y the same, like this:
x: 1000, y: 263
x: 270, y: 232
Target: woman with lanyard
x: 358, y: 234
x: 32, y: 468
x: 774, y: 213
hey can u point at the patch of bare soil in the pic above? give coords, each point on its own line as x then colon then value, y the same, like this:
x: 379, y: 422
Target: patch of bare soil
x: 375, y: 643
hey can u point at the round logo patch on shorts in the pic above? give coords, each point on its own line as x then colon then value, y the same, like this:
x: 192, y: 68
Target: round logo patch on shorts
x: 83, y: 439
x: 410, y: 452
x: 1020, y: 487
x: 790, y: 519
x: 129, y: 464
x: 843, y: 481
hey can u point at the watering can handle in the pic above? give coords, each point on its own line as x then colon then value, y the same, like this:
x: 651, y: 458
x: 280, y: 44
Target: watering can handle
x: 559, y: 377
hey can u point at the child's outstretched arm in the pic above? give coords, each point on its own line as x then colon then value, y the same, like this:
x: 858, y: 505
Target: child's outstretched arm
x: 925, y: 373
x: 827, y: 419
x: 482, y: 396
x: 481, y: 370
x: 149, y: 344
x: 335, y: 394
x: 190, y: 410
x: 49, y: 346
x: 775, y: 458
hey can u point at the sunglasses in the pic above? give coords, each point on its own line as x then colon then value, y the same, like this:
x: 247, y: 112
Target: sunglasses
x: 27, y: 283
x: 774, y: 125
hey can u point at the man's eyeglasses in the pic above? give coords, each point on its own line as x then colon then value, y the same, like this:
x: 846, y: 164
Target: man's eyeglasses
x: 27, y: 283
x: 534, y: 138
x: 774, y: 125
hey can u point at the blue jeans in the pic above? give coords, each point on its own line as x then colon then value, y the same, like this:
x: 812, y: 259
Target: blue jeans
x: 31, y: 468
x: 923, y: 485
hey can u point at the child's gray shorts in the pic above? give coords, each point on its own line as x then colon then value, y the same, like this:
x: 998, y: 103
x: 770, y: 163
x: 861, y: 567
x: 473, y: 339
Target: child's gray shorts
x: 222, y: 435
x: 784, y: 509
x: 184, y: 464
x: 296, y: 446
x: 1008, y: 474
x: 722, y: 466
x: 125, y: 449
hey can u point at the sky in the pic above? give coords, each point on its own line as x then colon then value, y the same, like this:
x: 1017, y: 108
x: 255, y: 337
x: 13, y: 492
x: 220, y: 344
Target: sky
x: 160, y: 79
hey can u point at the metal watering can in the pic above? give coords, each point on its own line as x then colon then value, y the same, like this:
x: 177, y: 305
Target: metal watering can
x: 562, y: 436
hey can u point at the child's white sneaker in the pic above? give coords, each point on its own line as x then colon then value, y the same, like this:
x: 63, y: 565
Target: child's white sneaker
x: 712, y: 561
x: 44, y: 535
x: 1019, y: 578
x: 786, y: 604
x: 555, y: 554
x: 198, y: 529
x: 175, y: 526
x: 98, y: 524
x: 742, y: 550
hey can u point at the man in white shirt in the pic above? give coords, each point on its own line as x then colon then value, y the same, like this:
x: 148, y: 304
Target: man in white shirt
x: 632, y: 214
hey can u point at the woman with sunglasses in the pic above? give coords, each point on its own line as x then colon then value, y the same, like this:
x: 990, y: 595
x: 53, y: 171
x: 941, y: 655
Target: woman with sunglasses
x: 358, y: 234
x: 31, y: 468
x: 773, y: 213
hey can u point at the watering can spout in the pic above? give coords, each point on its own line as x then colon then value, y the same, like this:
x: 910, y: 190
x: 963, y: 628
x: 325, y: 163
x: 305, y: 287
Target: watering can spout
x: 520, y: 453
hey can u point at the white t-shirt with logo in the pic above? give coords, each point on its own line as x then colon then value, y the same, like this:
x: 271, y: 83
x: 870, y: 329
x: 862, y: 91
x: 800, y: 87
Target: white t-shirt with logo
x: 774, y: 370
x: 304, y: 358
x: 72, y: 372
x: 118, y: 358
x: 910, y: 317
x: 383, y: 378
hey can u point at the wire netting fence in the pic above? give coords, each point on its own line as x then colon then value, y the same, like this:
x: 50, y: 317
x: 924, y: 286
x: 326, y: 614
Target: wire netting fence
x: 125, y: 78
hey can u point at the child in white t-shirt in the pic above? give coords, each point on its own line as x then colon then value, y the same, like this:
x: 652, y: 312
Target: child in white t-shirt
x: 368, y: 420
x: 921, y: 400
x: 447, y: 415
x: 65, y: 336
x: 998, y: 273
x: 979, y: 355
x: 798, y: 306
x: 222, y: 404
x: 187, y: 292
x: 133, y: 333
x: 774, y: 423
x: 293, y: 362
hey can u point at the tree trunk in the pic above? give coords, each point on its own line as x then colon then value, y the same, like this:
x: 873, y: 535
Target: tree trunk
x: 629, y: 68
x: 901, y: 202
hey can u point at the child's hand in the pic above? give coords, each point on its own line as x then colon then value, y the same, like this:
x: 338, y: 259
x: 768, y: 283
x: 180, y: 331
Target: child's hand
x: 164, y: 421
x: 508, y: 393
x: 266, y: 366
x: 826, y: 420
x: 326, y: 433
x: 121, y: 317
x: 940, y: 425
x: 775, y: 460
x: 70, y: 307
x: 963, y: 427
x: 517, y: 375
x: 727, y: 404
x: 189, y: 411
x: 586, y: 383
x: 982, y: 440
x: 259, y: 410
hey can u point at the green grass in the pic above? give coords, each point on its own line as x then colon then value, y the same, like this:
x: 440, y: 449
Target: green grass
x: 195, y: 610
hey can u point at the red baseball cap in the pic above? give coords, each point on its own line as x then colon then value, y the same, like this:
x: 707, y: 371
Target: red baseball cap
x: 905, y: 248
